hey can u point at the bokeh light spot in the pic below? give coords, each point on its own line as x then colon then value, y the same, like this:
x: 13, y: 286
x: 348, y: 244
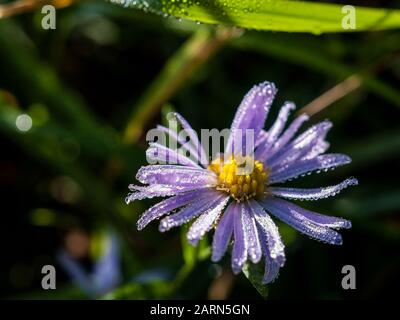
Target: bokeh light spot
x: 23, y: 123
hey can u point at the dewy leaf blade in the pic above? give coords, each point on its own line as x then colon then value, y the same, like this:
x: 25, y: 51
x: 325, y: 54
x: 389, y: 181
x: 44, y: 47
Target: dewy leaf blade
x: 255, y: 272
x: 275, y: 15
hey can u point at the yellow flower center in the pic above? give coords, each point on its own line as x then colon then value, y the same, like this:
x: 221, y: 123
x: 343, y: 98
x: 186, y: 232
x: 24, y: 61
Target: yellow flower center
x: 243, y: 179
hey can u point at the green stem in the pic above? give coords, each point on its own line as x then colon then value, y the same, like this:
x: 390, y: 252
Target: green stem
x: 194, y: 52
x: 293, y: 51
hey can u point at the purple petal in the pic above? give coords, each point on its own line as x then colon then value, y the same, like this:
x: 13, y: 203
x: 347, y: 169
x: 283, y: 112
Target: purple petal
x: 76, y: 272
x: 272, y: 265
x: 291, y: 130
x: 194, y: 140
x: 319, y: 148
x: 316, y: 218
x: 183, y: 144
x: 204, y: 223
x: 286, y: 212
x: 275, y: 131
x: 240, y: 245
x: 107, y: 270
x: 277, y: 128
x: 251, y: 234
x: 164, y: 155
x: 262, y: 138
x: 312, y: 194
x: 303, y: 167
x: 272, y: 268
x: 320, y: 129
x: 284, y: 139
x: 251, y: 113
x: 168, y: 205
x: 176, y: 175
x: 301, y: 146
x: 254, y: 107
x: 269, y: 231
x: 155, y: 190
x: 191, y: 211
x: 223, y: 233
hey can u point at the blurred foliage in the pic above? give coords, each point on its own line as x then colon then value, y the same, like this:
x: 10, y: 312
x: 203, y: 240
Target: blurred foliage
x: 96, y: 83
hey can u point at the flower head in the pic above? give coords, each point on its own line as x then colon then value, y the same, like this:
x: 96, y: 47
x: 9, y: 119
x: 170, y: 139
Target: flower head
x: 105, y: 274
x: 235, y: 192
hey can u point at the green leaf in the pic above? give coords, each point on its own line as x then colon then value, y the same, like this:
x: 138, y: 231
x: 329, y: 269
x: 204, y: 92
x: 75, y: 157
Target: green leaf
x: 276, y: 15
x: 255, y: 273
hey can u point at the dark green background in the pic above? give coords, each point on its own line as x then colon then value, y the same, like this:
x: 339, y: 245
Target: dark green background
x: 89, y: 74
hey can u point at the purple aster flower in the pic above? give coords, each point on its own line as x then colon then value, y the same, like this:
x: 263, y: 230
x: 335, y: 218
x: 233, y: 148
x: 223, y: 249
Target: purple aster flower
x: 106, y: 272
x: 240, y: 205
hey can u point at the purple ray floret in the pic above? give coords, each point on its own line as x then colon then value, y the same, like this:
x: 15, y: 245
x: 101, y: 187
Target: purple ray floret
x: 239, y: 206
